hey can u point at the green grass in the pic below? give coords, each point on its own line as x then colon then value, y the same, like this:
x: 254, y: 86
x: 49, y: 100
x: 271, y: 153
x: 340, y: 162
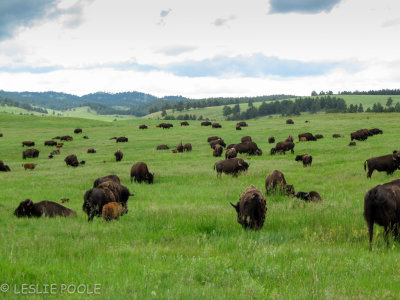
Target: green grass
x: 180, y: 238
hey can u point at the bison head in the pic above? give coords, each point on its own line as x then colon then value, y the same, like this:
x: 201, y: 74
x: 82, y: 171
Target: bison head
x: 149, y: 177
x: 24, y: 209
x: 273, y: 151
x: 298, y: 157
x: 258, y: 152
x: 396, y: 158
x: 289, y: 189
x: 240, y: 218
x: 243, y: 166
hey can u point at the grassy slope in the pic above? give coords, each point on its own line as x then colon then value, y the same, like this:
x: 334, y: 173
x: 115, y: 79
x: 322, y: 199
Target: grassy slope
x: 215, y: 112
x: 180, y: 238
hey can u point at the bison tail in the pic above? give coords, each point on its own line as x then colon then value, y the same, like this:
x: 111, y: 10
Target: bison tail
x: 365, y: 166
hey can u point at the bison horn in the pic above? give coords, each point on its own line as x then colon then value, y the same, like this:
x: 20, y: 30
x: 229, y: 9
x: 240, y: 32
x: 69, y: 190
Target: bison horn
x: 239, y: 164
x: 235, y: 206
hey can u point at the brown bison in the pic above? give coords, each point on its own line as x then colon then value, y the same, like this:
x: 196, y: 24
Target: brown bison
x: 140, y: 172
x: 63, y: 200
x: 3, y: 167
x: 30, y: 153
x: 66, y: 138
x: 143, y: 126
x: 305, y: 158
x: 230, y: 153
x: 91, y: 150
x: 220, y: 142
x: 245, y: 139
x: 56, y: 137
x: 319, y: 136
x: 29, y: 166
x: 276, y: 182
x: 121, y: 139
x: 165, y: 125
x: 216, y: 125
x: 213, y: 138
x: 238, y: 127
x: 118, y: 155
x: 352, y: 144
x: 271, y: 140
x: 113, y: 210
x: 28, y: 143
x: 50, y: 143
x: 59, y: 145
x: 206, y: 123
x: 217, y: 152
x: 289, y: 139
x: 360, y: 135
x: 251, y: 208
x: 78, y: 130
x: 56, y: 152
x: 72, y: 160
x: 42, y: 209
x: 336, y: 135
x: 250, y: 148
x: 184, y: 123
x: 231, y: 166
x: 1, y: 135
x: 187, y: 147
x: 387, y: 163
x: 174, y: 150
x: 375, y: 131
x: 382, y: 206
x: 179, y: 148
x: 289, y: 121
x: 282, y: 147
x: 110, y: 177
x: 312, y: 196
x: 242, y: 124
x: 162, y: 147
x: 308, y: 136
x: 85, y: 137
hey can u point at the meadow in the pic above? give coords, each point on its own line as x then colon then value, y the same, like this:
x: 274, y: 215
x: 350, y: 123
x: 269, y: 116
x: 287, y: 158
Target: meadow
x: 180, y: 239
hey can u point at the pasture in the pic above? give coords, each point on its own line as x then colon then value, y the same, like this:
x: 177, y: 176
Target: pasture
x: 180, y: 239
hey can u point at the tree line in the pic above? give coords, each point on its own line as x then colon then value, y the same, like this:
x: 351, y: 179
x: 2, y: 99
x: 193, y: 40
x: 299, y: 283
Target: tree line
x: 26, y: 106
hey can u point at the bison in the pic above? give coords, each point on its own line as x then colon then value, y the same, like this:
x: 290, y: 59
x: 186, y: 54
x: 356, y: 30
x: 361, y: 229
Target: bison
x: 352, y: 144
x: 282, y: 147
x: 216, y: 125
x: 42, y: 209
x: 319, y: 136
x: 110, y: 177
x: 66, y: 138
x: 28, y: 143
x: 289, y: 139
x: 3, y: 167
x: 118, y: 155
x: 30, y: 153
x: 217, y: 150
x: 162, y: 147
x: 387, y: 163
x: 360, y: 135
x: 308, y: 136
x: 29, y: 166
x: 230, y: 153
x: 187, y: 147
x: 336, y: 135
x: 250, y: 148
x: 217, y: 142
x: 245, y: 139
x: 213, y: 138
x: 143, y: 126
x: 91, y: 150
x: 289, y: 121
x: 63, y: 200
x: 179, y: 148
x: 382, y: 206
x: 72, y: 160
x: 312, y: 196
x: 165, y: 125
x: 113, y: 210
x: 271, y: 140
x: 121, y: 139
x: 85, y: 137
x: 78, y: 130
x: 206, y: 123
x: 305, y: 158
x: 50, y: 143
x: 242, y: 124
x: 375, y: 131
x: 56, y: 152
x: 59, y: 145
x: 251, y: 208
x: 140, y: 172
x: 231, y: 166
x: 185, y: 123
x: 238, y: 127
x: 276, y: 182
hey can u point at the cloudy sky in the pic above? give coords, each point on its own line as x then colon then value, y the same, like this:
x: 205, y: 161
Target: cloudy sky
x: 199, y: 48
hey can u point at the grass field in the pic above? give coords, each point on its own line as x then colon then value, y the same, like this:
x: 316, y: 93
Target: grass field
x: 180, y: 239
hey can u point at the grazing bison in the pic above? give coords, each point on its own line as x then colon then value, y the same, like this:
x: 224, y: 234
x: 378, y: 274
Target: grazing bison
x: 59, y: 145
x: 42, y: 209
x: 3, y: 167
x: 319, y: 136
x: 382, y: 206
x: 213, y: 138
x: 85, y: 137
x: 352, y: 144
x: 271, y: 140
x: 30, y: 153
x: 143, y: 126
x: 282, y: 147
x: 231, y: 166
x: 216, y: 125
x: 72, y: 160
x: 375, y: 131
x: 28, y: 143
x: 276, y: 182
x: 336, y: 135
x: 289, y: 121
x: 305, y: 158
x: 56, y: 137
x: 91, y: 150
x: 242, y: 124
x: 187, y: 147
x: 51, y: 156
x: 308, y: 136
x: 57, y: 151
x: 238, y: 127
x: 121, y: 139
x: 217, y: 142
x: 230, y: 153
x: 140, y: 172
x: 105, y: 192
x: 250, y: 148
x: 184, y: 123
x: 360, y: 135
x: 289, y: 139
x: 162, y: 147
x: 387, y: 163
x: 66, y: 138
x: 179, y: 148
x: 63, y: 200
x: 110, y: 177
x: 312, y: 196
x: 251, y: 208
x: 118, y: 155
x: 165, y: 125
x: 174, y: 150
x: 29, y: 166
x: 217, y: 150
x: 1, y: 135
x: 113, y: 210
x: 206, y: 123
x: 245, y: 139
x: 50, y: 143
x: 78, y: 130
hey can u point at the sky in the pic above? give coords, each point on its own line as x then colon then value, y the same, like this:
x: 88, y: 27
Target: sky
x: 208, y: 48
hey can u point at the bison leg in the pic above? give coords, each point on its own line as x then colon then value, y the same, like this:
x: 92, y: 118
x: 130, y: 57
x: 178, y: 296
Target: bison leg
x: 386, y: 235
x: 369, y: 173
x: 292, y: 151
x: 91, y: 216
x: 371, y: 233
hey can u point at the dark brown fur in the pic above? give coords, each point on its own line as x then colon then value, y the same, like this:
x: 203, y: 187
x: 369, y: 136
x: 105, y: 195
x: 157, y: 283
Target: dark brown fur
x: 42, y: 209
x: 276, y: 182
x: 118, y: 155
x: 140, y: 172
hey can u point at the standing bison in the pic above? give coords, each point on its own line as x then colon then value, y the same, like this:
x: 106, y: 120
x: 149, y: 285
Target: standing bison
x: 187, y: 147
x: 217, y: 152
x: 250, y: 148
x: 72, y: 160
x: 118, y: 155
x: 387, y: 163
x: 185, y: 123
x: 251, y: 208
x: 42, y: 209
x: 3, y: 167
x: 230, y: 153
x: 282, y: 147
x: 140, y: 172
x: 121, y: 139
x: 231, y: 166
x: 306, y: 137
x: 305, y: 158
x: 113, y: 210
x: 78, y: 130
x: 162, y: 147
x: 143, y: 126
x: 276, y: 182
x: 382, y: 206
x: 30, y: 153
x: 28, y: 143
x: 271, y: 140
x: 206, y: 123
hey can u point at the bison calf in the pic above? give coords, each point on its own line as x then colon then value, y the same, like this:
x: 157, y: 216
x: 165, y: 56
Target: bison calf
x: 113, y: 210
x: 29, y: 166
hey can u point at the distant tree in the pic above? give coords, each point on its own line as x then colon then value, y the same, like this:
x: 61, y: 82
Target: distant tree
x: 360, y: 108
x: 314, y: 93
x: 389, y: 102
x: 397, y: 107
x: 250, y: 103
x: 226, y: 111
x: 236, y: 109
x: 163, y: 113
